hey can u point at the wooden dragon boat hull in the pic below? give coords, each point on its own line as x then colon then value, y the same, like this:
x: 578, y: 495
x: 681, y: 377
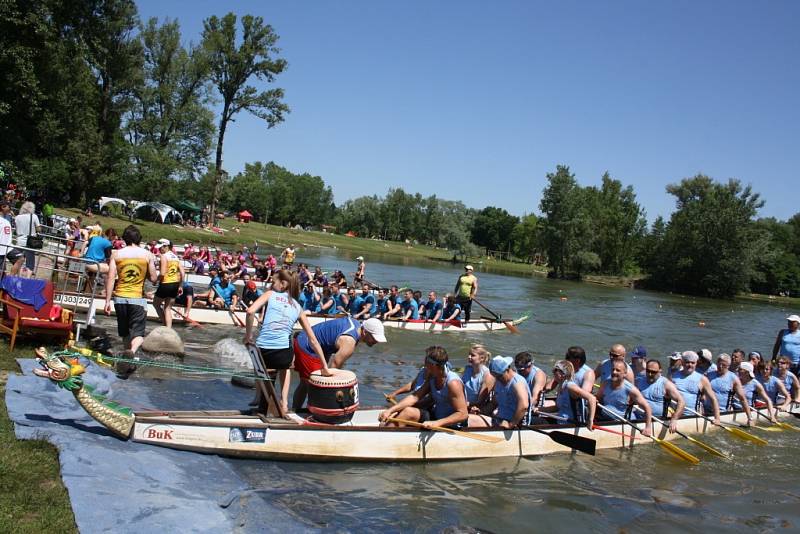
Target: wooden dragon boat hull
x: 223, y: 317
x: 234, y: 434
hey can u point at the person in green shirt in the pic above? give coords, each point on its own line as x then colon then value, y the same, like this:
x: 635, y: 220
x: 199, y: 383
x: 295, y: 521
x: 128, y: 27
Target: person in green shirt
x: 466, y: 289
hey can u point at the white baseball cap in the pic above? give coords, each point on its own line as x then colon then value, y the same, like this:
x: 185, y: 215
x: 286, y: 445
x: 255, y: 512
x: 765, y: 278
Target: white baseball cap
x: 675, y: 355
x: 469, y: 268
x: 706, y: 354
x: 689, y: 356
x: 163, y: 242
x: 375, y: 328
x: 794, y: 318
x: 747, y: 366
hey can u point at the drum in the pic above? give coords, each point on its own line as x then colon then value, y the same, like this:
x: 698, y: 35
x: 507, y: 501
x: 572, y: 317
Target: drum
x: 333, y: 399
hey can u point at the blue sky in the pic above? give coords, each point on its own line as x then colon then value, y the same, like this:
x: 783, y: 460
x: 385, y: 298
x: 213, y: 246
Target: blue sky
x: 477, y: 101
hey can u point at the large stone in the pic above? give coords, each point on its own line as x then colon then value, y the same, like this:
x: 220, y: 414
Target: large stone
x: 164, y: 340
x: 232, y: 351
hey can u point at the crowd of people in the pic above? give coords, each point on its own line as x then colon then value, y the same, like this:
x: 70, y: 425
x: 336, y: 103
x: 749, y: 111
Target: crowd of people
x: 505, y: 392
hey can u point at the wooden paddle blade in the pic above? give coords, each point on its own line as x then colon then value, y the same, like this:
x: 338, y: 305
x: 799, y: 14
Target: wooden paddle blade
x: 511, y: 327
x: 708, y: 447
x: 738, y: 432
x: 677, y: 451
x: 573, y: 441
x: 787, y: 426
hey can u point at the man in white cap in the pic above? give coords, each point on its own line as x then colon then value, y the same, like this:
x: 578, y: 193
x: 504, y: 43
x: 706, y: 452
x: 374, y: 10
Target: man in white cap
x: 752, y: 388
x: 788, y: 342
x: 338, y: 339
x: 705, y: 362
x: 692, y: 385
x: 466, y: 290
x: 675, y: 364
x: 358, y: 276
x: 511, y: 393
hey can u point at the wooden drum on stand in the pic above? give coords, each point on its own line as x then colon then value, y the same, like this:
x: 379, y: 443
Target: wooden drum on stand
x: 333, y: 399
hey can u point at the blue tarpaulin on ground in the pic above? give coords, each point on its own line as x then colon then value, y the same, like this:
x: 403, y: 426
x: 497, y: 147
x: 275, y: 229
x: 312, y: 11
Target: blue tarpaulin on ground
x: 121, y: 486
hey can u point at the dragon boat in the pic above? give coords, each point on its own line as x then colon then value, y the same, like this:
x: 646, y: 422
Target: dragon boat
x: 237, y: 317
x: 297, y: 437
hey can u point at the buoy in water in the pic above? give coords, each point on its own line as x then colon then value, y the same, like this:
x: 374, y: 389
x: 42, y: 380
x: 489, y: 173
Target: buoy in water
x: 563, y: 299
x: 701, y: 323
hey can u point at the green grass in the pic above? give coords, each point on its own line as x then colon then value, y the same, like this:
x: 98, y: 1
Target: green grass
x: 32, y: 496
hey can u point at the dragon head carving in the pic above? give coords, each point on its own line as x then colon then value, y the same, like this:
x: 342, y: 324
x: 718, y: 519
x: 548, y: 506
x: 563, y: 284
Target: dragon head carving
x: 62, y: 370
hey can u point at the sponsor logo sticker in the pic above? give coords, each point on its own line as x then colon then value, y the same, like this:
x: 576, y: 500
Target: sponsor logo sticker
x: 247, y: 435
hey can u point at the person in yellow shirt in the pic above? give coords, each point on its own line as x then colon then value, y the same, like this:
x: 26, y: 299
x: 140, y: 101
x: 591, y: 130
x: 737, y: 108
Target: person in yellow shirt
x: 128, y: 268
x: 171, y: 274
x: 466, y: 289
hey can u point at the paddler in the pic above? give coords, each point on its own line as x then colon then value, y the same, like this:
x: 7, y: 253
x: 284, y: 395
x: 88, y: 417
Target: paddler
x: 692, y: 385
x: 535, y: 377
x: 638, y: 361
x: 752, y: 388
x: 338, y: 339
x: 478, y: 381
x: 618, y: 394
x: 737, y: 357
x: 431, y: 310
x: 583, y: 375
x: 705, y: 363
x: 512, y: 395
x: 170, y: 277
x: 659, y: 392
x: 675, y: 364
x: 787, y: 343
x: 790, y: 380
x: 127, y: 270
x: 573, y: 402
x: 451, y: 311
x: 773, y: 386
x: 466, y: 289
x: 449, y: 407
x: 726, y: 384
x: 617, y: 352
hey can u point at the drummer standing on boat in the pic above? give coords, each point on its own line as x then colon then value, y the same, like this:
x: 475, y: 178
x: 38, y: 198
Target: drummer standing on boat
x: 129, y: 267
x: 466, y: 290
x: 358, y: 276
x: 338, y: 339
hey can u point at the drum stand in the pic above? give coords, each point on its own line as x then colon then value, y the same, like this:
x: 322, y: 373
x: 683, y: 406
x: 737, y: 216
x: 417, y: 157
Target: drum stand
x: 265, y: 389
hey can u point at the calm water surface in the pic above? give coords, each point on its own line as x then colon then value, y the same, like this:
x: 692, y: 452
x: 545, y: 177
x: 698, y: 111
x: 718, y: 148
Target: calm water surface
x: 636, y: 490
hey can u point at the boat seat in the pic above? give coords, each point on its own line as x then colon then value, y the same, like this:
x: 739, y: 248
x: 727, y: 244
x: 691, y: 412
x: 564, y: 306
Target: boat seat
x: 20, y: 298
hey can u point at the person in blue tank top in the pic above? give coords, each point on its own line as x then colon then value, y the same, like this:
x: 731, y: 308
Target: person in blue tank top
x: 658, y: 392
x: 381, y: 304
x: 449, y: 407
x: 354, y: 302
x: 478, y: 381
x: 309, y: 299
x: 752, y: 389
x: 788, y: 342
x: 603, y: 371
x: 584, y: 375
x: 773, y: 386
x: 570, y: 397
x: 617, y: 394
x: 725, y: 384
x: 511, y: 394
x: 790, y: 380
x: 409, y: 307
x: 451, y: 311
x: 534, y: 377
x: 365, y: 303
x: 431, y: 310
x: 274, y: 339
x: 692, y: 385
x: 340, y: 300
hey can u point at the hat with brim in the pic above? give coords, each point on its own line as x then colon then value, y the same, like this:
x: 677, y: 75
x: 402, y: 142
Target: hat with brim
x: 639, y: 352
x: 163, y: 242
x: 499, y: 364
x: 706, y: 354
x: 794, y: 318
x: 675, y: 356
x: 375, y: 328
x: 469, y: 268
x: 747, y: 366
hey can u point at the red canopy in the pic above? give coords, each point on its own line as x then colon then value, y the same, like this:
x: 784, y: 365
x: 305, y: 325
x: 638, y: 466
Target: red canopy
x: 245, y: 216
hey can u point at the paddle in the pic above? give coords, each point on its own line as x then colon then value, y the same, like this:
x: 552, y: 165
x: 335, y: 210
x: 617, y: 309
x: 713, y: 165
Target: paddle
x: 666, y: 445
x: 187, y: 319
x: 509, y: 324
x: 488, y: 439
x: 235, y: 318
x: 738, y: 432
x: 594, y: 427
x: 573, y: 441
x: 697, y: 442
x: 390, y: 399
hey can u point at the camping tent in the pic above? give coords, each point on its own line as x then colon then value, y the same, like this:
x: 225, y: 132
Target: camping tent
x: 158, y: 212
x: 106, y: 202
x: 245, y: 216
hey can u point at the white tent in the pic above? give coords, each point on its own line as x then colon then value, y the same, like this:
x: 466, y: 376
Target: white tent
x: 105, y: 201
x: 158, y: 212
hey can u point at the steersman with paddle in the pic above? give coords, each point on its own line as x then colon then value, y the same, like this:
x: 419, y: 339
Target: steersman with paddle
x: 466, y: 290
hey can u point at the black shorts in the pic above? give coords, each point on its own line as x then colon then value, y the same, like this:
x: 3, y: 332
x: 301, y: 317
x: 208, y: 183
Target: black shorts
x: 277, y: 358
x: 182, y: 299
x: 168, y: 291
x: 131, y: 319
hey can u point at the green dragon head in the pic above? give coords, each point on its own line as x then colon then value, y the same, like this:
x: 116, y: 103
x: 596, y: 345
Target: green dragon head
x: 62, y: 370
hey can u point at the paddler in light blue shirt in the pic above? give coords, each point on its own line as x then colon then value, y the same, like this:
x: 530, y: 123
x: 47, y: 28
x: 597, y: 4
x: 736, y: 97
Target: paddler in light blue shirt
x: 512, y: 395
x: 410, y: 306
x: 603, y: 371
x: 692, y: 384
x: 616, y: 394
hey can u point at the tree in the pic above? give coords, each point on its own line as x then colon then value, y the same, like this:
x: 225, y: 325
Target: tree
x: 232, y: 67
x: 525, y: 237
x: 169, y: 127
x: 564, y: 222
x: 619, y: 223
x: 493, y: 227
x: 711, y: 244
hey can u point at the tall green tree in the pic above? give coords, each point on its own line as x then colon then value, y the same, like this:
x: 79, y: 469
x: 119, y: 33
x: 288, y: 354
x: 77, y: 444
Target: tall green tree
x: 564, y: 221
x: 169, y: 127
x: 233, y: 65
x: 492, y: 228
x: 525, y: 237
x: 711, y: 245
x: 619, y: 223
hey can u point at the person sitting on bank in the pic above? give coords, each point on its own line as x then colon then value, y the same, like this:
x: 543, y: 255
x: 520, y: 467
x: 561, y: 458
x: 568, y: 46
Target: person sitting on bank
x: 445, y: 387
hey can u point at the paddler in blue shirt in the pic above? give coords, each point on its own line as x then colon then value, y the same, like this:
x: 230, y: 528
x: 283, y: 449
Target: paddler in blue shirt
x: 340, y: 300
x: 445, y: 387
x: 226, y: 296
x: 617, y: 394
x: 692, y: 385
x: 658, y: 392
x: 410, y: 307
x: 451, y: 311
x: 535, y: 377
x: 511, y: 394
x: 431, y: 310
x: 366, y: 307
x: 603, y: 371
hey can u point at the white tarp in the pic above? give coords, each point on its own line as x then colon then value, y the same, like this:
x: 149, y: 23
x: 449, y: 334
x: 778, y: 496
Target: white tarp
x: 158, y: 212
x: 104, y: 201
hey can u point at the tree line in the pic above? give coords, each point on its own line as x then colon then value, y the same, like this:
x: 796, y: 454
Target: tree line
x: 94, y: 101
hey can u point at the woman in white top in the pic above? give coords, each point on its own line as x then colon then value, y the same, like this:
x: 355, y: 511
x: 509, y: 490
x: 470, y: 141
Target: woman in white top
x: 27, y: 223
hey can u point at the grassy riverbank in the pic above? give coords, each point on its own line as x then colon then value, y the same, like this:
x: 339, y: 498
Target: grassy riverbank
x: 32, y: 496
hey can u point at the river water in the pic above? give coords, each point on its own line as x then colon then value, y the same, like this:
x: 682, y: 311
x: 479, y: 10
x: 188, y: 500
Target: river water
x: 639, y: 489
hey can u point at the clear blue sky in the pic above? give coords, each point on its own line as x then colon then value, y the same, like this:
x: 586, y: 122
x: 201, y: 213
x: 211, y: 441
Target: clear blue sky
x: 477, y: 101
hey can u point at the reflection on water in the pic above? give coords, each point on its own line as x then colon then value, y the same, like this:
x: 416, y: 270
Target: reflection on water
x: 643, y: 489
